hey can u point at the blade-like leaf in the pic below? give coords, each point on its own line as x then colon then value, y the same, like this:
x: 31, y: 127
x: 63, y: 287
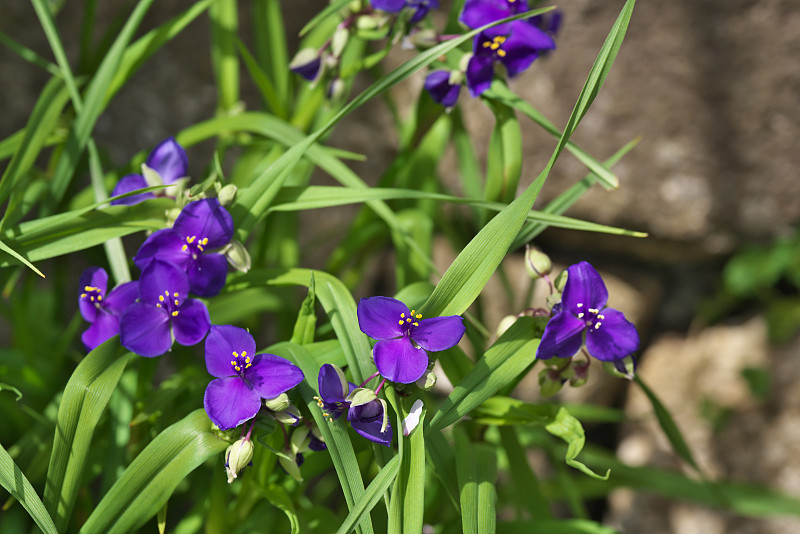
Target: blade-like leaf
x: 376, y: 489
x: 15, y: 482
x: 477, y: 475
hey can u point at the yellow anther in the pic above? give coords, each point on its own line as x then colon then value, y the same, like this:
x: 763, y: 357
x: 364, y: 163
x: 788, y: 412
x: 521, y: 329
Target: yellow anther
x: 83, y: 295
x: 200, y: 248
x: 413, y: 312
x: 416, y: 324
x: 177, y: 302
x: 166, y: 292
x: 419, y: 316
x: 325, y: 414
x: 191, y: 239
x: 184, y: 248
x: 400, y: 322
x: 244, y: 353
x: 494, y: 46
x: 403, y: 315
x: 597, y: 325
x: 176, y: 295
x: 233, y: 362
x: 158, y: 305
x: 175, y: 313
x: 601, y: 317
x: 246, y: 360
x: 238, y: 368
x: 501, y: 53
x: 88, y: 288
x: 99, y: 297
x: 408, y: 320
x: 161, y: 298
x: 487, y: 44
x: 580, y: 315
x: 204, y: 241
x: 580, y: 304
x: 235, y: 354
x: 248, y: 365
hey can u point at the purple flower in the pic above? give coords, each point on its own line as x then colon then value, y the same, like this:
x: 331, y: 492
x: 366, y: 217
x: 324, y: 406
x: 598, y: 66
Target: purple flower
x: 609, y: 336
x: 335, y: 398
x: 515, y: 45
x: 420, y: 7
x: 202, y: 225
x: 438, y: 84
x: 477, y: 13
x: 101, y: 309
x: 166, y: 164
x: 403, y: 337
x: 243, y: 377
x: 147, y: 327
x: 307, y: 63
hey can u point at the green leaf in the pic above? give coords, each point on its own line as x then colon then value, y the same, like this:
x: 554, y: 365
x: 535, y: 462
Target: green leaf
x: 15, y: 483
x: 376, y: 489
x: 510, y: 355
x: 554, y: 526
x: 526, y: 488
x: 407, y: 505
x: 334, y: 432
x: 147, y: 483
x: 306, y: 319
x: 477, y: 475
x: 566, y: 427
x: 224, y: 18
x: 668, y: 425
x: 329, y: 10
x: 278, y: 497
x: 85, y: 399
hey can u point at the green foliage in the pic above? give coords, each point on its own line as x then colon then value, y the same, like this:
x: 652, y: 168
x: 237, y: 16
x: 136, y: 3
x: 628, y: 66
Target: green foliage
x: 117, y: 443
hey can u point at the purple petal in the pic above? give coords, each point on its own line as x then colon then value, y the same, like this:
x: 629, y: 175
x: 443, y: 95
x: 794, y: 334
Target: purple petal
x: 480, y: 71
x: 221, y: 343
x: 478, y: 13
x: 207, y: 274
x: 144, y: 330
x: 371, y: 430
x: 230, y: 401
x: 562, y: 337
x: 438, y: 333
x: 331, y: 388
x: 104, y: 327
x: 164, y: 244
x: 613, y: 337
x: 128, y: 183
x: 390, y: 6
x: 523, y: 46
x: 205, y: 219
x: 437, y: 83
x: 160, y: 277
x: 397, y: 360
x: 272, y: 375
x: 92, y: 277
x: 584, y: 289
x: 121, y: 297
x: 309, y: 70
x: 379, y: 317
x: 169, y: 160
x: 191, y: 324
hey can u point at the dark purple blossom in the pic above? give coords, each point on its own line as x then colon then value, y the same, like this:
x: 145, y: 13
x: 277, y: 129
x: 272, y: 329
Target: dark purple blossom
x: 477, y: 13
x: 203, y: 225
x: 307, y: 63
x: 100, y: 309
x: 438, y: 84
x: 420, y: 7
x: 515, y: 45
x: 404, y: 337
x: 368, y: 419
x: 165, y: 165
x: 163, y: 312
x: 243, y: 377
x: 609, y: 336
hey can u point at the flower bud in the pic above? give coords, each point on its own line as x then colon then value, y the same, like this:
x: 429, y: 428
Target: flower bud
x: 336, y: 90
x: 226, y: 195
x: 624, y: 368
x: 550, y: 381
x: 537, y: 263
x: 238, y: 256
x: 339, y: 41
x: 411, y: 422
x: 424, y: 38
x: 505, y: 323
x: 279, y: 403
x: 306, y: 63
x: 561, y: 280
x: 427, y: 381
x: 580, y: 374
x: 237, y: 457
x: 291, y: 464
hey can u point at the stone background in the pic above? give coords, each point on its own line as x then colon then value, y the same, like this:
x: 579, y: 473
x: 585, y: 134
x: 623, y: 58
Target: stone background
x: 710, y: 86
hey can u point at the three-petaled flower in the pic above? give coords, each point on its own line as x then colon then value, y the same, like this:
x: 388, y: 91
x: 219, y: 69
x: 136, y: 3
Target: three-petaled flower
x: 243, y: 377
x: 442, y: 88
x: 515, y: 44
x: 404, y: 337
x: 336, y: 396
x: 147, y: 327
x: 202, y: 225
x: 165, y: 165
x: 100, y: 309
x: 609, y: 335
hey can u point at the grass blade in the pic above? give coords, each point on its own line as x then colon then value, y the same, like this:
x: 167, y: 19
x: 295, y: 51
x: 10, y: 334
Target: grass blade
x: 15, y: 482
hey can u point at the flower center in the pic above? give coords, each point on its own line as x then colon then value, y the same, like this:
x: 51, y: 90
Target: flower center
x: 495, y: 45
x: 169, y: 304
x: 592, y: 317
x: 240, y: 362
x: 194, y: 246
x: 409, y: 321
x: 93, y: 295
